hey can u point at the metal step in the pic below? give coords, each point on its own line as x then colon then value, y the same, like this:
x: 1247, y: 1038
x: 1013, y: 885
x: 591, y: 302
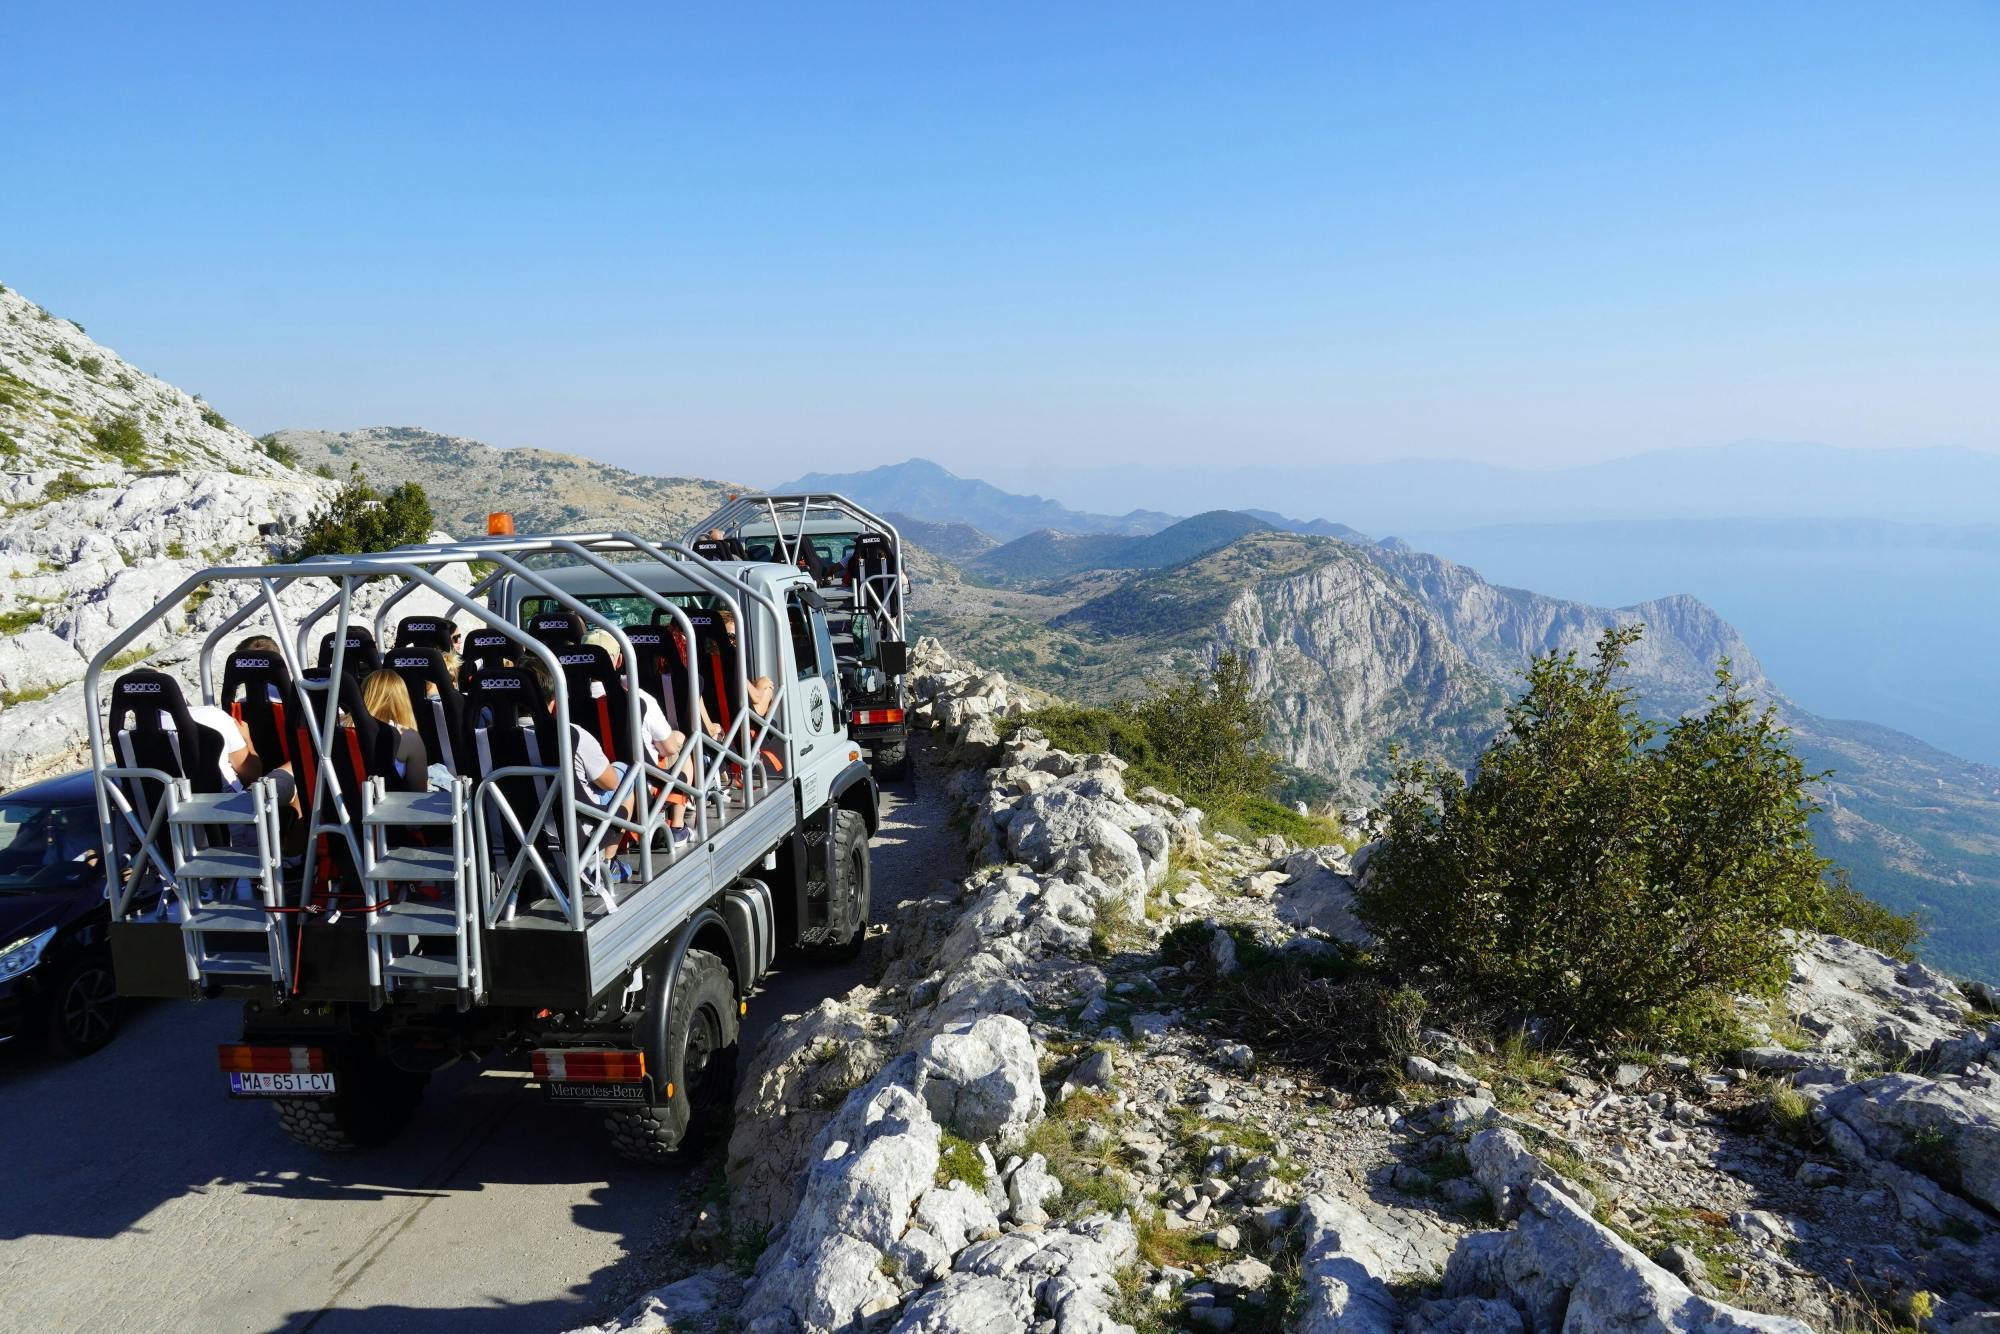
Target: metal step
x: 226, y: 808
x: 414, y: 808
x: 228, y: 917
x: 414, y: 865
x: 238, y: 961
x: 422, y: 968
x: 221, y: 864
x: 414, y: 919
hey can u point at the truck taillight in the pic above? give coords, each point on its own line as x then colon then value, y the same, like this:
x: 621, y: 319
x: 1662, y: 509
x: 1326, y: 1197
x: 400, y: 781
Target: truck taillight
x: 241, y: 1058
x: 588, y: 1065
x: 873, y: 717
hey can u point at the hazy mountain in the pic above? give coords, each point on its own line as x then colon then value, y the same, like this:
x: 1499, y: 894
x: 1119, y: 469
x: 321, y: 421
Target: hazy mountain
x: 1050, y: 555
x: 542, y: 489
x: 1750, y: 479
x: 921, y: 488
x: 1309, y: 527
x: 955, y: 541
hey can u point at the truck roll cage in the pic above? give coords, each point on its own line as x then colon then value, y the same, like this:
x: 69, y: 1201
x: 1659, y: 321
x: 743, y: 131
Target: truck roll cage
x: 490, y: 862
x: 877, y: 591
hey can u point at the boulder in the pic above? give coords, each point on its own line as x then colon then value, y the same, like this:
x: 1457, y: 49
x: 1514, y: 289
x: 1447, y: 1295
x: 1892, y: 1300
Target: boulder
x: 1347, y: 1265
x: 969, y: 1304
x: 1502, y: 1164
x: 1856, y: 999
x: 1946, y: 1128
x: 1319, y: 896
x: 1566, y: 1271
x: 981, y: 1079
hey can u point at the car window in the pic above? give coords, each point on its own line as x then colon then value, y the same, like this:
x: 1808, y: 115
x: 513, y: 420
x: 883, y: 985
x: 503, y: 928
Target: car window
x: 43, y: 846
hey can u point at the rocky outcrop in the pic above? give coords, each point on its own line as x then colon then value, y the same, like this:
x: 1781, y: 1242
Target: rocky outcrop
x: 117, y: 487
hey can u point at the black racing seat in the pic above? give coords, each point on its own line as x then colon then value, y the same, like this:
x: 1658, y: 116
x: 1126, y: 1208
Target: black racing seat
x: 597, y: 700
x: 661, y: 661
x: 363, y: 747
x: 258, y: 692
x: 424, y: 632
x: 507, y: 724
x: 557, y: 629
x: 362, y: 655
x: 434, y: 698
x: 151, y: 729
x: 715, y: 664
x: 484, y: 650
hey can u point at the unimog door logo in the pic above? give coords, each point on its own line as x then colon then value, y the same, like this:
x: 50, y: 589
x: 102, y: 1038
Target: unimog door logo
x: 816, y: 707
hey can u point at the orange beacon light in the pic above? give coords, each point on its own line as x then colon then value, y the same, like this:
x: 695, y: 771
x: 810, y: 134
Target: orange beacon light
x: 499, y: 524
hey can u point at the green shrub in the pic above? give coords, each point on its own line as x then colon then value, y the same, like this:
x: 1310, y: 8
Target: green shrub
x: 1089, y: 731
x: 90, y: 365
x: 357, y: 518
x: 279, y: 451
x: 63, y: 354
x: 14, y: 622
x: 214, y: 418
x: 121, y: 438
x: 1843, y: 910
x: 1597, y: 871
x: 1207, y: 734
x: 959, y: 1158
x: 65, y: 484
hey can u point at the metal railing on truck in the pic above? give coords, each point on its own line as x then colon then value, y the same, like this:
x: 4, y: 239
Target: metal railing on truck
x: 877, y: 592
x: 730, y: 796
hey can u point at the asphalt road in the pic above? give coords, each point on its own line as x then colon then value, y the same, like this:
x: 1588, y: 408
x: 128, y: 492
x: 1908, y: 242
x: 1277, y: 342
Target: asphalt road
x: 135, y: 1196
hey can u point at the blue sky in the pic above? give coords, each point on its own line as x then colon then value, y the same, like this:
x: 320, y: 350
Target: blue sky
x: 1023, y: 239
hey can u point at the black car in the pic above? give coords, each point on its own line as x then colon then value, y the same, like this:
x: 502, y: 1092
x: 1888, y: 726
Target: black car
x: 56, y: 984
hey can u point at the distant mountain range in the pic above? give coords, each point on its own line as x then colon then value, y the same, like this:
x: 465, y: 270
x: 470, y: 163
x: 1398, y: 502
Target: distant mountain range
x: 922, y: 489
x: 1751, y: 479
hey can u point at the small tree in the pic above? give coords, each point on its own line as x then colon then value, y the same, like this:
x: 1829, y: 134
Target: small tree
x: 121, y: 438
x: 1207, y: 734
x: 1598, y: 872
x: 357, y: 518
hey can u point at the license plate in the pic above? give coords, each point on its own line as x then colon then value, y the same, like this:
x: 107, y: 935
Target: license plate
x: 561, y: 1090
x: 306, y: 1084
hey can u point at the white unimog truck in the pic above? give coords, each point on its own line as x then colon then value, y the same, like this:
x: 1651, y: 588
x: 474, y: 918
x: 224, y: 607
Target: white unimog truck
x: 377, y: 929
x: 856, y: 558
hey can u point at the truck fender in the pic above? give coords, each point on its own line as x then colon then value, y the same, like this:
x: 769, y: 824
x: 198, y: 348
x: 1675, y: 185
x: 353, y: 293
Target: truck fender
x: 746, y: 908
x: 855, y: 788
x: 665, y: 970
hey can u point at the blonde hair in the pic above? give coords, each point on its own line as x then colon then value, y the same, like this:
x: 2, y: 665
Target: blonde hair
x: 388, y: 698
x: 603, y: 639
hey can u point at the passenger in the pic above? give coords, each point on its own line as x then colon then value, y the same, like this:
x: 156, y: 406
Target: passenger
x: 596, y: 777
x: 762, y: 692
x: 387, y: 699
x: 664, y: 741
x: 732, y: 547
x: 238, y: 764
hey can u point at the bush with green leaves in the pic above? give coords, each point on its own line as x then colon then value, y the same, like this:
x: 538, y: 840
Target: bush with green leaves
x: 121, y: 438
x: 358, y: 518
x: 1600, y: 871
x: 279, y: 451
x: 65, y: 484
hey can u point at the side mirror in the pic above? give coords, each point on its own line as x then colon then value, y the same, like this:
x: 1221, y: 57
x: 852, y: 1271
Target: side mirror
x: 894, y: 656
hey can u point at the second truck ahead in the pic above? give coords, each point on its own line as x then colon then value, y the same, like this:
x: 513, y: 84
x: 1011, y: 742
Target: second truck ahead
x: 378, y: 929
x: 857, y: 560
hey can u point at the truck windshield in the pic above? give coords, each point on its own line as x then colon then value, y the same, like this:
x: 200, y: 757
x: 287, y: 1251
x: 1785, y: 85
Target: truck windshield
x: 620, y: 609
x: 835, y: 549
x: 46, y: 847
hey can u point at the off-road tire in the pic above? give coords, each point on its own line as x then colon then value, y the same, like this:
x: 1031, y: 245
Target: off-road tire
x: 84, y: 1007
x: 891, y: 762
x: 851, y: 892
x: 693, y: 1052
x: 375, y: 1102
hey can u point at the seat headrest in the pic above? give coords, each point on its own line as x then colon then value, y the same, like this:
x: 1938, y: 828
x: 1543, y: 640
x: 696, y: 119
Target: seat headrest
x: 423, y: 632
x: 710, y: 548
x: 148, y: 696
x: 508, y: 693
x: 361, y: 650
x: 556, y: 628
x: 425, y: 663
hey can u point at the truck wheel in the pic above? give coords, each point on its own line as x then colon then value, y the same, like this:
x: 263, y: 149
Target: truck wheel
x: 892, y: 761
x: 849, y: 899
x: 693, y: 1053
x: 375, y: 1101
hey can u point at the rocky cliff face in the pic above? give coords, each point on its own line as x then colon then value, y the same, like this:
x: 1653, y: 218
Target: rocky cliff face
x: 1500, y: 629
x: 117, y: 486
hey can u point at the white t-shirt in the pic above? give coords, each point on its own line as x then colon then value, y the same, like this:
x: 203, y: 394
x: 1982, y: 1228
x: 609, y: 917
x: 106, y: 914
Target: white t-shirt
x: 219, y: 721
x: 587, y: 761
x: 653, y: 726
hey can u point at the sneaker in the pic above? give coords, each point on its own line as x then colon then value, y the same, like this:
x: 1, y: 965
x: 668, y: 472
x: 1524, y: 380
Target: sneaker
x: 682, y: 836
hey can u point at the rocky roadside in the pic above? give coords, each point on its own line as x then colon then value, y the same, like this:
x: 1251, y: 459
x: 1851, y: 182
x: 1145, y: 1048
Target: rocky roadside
x: 1037, y: 1118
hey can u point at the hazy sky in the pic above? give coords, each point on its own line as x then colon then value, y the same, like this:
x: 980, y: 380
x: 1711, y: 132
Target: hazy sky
x: 1024, y: 238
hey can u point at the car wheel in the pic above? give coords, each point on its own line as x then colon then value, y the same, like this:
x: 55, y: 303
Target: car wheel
x: 694, y: 1055
x: 84, y: 1006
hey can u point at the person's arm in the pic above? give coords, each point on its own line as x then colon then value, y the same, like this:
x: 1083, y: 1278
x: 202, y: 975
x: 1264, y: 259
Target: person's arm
x: 416, y: 761
x: 608, y: 779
